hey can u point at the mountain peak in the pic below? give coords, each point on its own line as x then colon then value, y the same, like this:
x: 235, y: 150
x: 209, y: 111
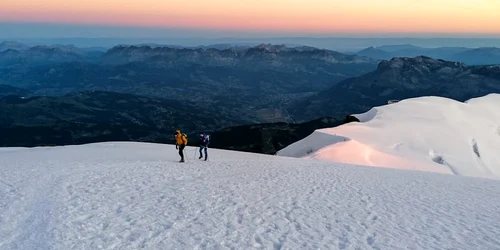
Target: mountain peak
x: 272, y: 47
x: 417, y: 62
x: 15, y: 45
x: 400, y: 78
x: 277, y: 48
x: 9, y: 52
x: 371, y: 48
x: 374, y: 53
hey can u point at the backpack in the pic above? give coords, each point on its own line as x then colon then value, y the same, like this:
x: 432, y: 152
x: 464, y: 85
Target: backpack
x: 206, y: 139
x: 185, y: 136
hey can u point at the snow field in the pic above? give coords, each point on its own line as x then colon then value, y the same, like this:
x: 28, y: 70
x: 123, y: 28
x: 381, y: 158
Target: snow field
x: 136, y: 196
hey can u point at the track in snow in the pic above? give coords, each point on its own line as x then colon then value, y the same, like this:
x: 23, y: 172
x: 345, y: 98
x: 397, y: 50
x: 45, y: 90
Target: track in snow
x: 134, y: 196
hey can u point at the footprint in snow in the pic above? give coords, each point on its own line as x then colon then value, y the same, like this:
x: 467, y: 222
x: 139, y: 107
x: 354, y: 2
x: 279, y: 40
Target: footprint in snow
x: 371, y: 239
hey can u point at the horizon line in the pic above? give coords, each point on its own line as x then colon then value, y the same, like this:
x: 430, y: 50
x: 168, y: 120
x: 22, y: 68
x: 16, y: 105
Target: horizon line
x: 223, y: 33
x: 252, y: 37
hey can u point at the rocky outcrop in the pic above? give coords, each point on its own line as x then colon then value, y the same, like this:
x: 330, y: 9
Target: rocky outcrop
x: 351, y: 118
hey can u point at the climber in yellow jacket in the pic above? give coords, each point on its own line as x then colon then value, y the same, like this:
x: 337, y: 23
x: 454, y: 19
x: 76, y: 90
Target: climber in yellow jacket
x: 180, y: 143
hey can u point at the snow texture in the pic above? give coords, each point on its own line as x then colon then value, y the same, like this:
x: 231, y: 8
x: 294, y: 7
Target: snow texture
x: 137, y: 196
x: 427, y: 133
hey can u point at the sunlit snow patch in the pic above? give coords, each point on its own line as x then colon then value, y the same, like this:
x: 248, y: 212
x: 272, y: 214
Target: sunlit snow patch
x: 428, y: 133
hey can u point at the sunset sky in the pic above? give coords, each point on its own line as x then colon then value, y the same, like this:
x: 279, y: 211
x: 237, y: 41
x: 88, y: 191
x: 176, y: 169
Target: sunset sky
x: 286, y: 16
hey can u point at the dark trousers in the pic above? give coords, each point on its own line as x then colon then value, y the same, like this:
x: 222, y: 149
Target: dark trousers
x: 181, y: 151
x: 201, y: 149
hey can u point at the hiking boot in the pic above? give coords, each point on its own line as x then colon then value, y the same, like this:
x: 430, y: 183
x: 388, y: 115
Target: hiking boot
x: 200, y: 157
x: 182, y: 160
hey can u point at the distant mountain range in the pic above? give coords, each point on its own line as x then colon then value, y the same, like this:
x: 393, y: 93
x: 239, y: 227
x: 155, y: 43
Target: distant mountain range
x: 485, y: 55
x: 401, y: 78
x: 338, y: 43
x: 470, y: 56
x: 255, y: 83
x: 44, y: 55
x: 58, y: 94
x: 92, y: 116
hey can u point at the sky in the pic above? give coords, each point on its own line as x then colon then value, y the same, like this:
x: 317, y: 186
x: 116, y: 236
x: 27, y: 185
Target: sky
x: 293, y: 17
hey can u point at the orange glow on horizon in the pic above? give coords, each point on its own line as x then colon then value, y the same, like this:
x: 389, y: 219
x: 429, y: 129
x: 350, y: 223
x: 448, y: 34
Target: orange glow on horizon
x: 459, y: 16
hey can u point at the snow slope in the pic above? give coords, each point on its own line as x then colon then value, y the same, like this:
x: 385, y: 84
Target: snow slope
x: 426, y: 133
x: 136, y: 196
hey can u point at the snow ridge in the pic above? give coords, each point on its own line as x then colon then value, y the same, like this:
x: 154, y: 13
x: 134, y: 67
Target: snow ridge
x: 427, y: 133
